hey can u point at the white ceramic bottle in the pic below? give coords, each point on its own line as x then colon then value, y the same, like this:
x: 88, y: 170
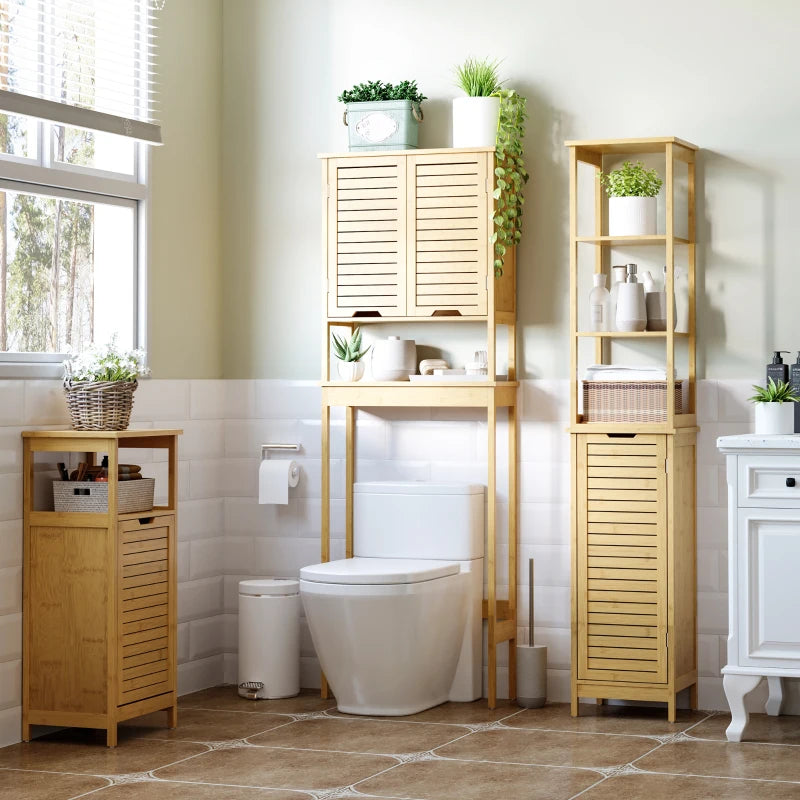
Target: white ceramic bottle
x: 599, y: 304
x: 631, y: 312
x: 681, y: 295
x: 617, y: 278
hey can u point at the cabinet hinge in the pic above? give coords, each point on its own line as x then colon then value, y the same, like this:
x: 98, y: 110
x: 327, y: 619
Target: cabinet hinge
x: 666, y: 465
x: 327, y: 190
x: 488, y: 189
x: 666, y: 640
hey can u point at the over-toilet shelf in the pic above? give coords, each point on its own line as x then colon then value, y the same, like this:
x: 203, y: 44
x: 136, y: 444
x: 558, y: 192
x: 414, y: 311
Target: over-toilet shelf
x: 401, y: 246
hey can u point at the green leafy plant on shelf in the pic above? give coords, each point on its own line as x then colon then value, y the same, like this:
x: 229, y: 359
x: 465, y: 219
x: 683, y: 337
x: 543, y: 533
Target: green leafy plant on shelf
x: 774, y: 392
x: 478, y: 77
x: 631, y: 180
x: 509, y: 160
x: 376, y: 91
x: 349, y: 349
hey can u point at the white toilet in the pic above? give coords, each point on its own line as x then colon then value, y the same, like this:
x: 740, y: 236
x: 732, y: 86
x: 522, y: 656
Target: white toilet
x: 398, y: 628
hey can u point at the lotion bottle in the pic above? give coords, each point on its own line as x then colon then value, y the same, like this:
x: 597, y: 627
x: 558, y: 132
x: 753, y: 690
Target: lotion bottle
x: 794, y: 379
x: 777, y: 370
x: 599, y: 304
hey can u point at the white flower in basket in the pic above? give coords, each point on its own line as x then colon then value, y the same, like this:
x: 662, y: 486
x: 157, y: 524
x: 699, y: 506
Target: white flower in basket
x: 99, y: 385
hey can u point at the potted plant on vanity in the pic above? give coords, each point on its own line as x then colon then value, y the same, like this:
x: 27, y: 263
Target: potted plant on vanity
x: 774, y: 409
x: 632, y: 192
x: 349, y: 352
x: 380, y: 116
x: 99, y: 385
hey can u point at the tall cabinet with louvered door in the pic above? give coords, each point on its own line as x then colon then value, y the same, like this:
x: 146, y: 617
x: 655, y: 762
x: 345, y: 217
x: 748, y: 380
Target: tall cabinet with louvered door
x: 448, y: 213
x: 366, y: 244
x: 634, y: 576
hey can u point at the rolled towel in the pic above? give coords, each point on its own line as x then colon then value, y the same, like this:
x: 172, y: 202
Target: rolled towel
x: 620, y: 372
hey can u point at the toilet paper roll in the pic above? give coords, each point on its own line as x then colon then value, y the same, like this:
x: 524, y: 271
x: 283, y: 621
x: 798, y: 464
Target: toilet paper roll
x: 275, y: 478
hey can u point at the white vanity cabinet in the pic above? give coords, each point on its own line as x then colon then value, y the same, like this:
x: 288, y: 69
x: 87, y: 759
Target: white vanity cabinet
x: 764, y: 569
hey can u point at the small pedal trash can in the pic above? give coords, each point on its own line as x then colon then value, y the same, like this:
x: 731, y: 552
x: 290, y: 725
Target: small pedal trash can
x: 269, y: 638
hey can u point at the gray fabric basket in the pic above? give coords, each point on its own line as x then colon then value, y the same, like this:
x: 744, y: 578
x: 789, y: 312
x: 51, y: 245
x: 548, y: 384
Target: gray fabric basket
x: 383, y: 125
x: 132, y: 496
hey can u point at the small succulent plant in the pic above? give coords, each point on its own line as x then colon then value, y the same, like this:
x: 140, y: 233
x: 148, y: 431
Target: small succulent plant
x: 780, y: 392
x: 349, y: 349
x: 631, y: 180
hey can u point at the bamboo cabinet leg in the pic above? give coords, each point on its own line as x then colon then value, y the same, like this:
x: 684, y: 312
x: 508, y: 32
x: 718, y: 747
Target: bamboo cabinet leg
x: 172, y: 716
x: 491, y: 520
x: 350, y: 474
x: 512, y: 547
x: 325, y: 543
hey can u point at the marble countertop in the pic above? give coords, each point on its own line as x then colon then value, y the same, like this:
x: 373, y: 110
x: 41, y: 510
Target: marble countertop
x: 756, y: 441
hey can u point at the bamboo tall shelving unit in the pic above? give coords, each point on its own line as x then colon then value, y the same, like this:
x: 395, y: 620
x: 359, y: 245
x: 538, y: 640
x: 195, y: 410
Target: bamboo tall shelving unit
x: 634, y: 597
x: 406, y: 239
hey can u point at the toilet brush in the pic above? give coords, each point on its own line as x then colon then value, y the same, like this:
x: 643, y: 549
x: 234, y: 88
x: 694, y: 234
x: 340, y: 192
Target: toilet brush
x: 531, y: 662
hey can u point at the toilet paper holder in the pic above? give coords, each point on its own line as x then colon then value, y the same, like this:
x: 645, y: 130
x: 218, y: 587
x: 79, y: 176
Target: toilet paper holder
x: 286, y: 448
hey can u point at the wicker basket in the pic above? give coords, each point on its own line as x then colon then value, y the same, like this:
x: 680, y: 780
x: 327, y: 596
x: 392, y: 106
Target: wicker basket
x: 100, y: 406
x: 628, y: 401
x: 132, y: 496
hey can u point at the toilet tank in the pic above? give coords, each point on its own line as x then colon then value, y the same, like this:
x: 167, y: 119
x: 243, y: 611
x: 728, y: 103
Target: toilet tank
x: 418, y: 520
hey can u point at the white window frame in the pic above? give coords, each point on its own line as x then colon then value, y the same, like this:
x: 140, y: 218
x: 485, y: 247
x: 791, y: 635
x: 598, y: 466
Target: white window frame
x: 42, y: 175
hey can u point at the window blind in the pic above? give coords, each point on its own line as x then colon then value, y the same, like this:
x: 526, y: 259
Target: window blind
x: 83, y: 63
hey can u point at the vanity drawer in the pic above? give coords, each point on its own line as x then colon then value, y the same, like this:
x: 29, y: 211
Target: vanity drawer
x: 769, y: 481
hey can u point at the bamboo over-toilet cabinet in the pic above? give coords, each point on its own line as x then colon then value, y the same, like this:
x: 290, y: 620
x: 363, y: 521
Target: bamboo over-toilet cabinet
x: 99, y: 595
x: 634, y: 575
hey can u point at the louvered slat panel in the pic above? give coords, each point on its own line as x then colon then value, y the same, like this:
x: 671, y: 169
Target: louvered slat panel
x: 366, y: 239
x: 621, y: 559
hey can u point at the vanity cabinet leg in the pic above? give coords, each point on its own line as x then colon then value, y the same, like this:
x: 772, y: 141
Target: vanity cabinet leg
x: 775, y: 700
x: 737, y: 687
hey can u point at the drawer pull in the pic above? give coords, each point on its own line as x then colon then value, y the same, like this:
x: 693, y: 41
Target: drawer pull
x: 146, y: 520
x: 790, y: 482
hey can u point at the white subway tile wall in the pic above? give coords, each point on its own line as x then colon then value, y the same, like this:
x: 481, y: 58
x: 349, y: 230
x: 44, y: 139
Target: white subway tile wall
x: 225, y: 536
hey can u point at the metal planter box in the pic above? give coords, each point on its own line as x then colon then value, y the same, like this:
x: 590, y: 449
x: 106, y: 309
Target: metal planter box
x: 383, y: 125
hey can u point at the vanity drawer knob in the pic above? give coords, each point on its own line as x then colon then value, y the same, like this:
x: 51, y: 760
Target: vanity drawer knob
x: 790, y: 482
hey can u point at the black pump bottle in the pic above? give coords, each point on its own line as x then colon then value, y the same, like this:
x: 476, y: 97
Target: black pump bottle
x: 777, y: 370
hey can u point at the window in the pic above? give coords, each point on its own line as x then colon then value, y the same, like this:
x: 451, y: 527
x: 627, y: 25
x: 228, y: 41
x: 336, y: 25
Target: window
x: 75, y: 111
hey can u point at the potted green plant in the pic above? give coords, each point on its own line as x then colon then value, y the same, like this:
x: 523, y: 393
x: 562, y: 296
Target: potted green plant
x: 99, y: 384
x: 380, y: 116
x: 349, y: 352
x: 475, y: 116
x: 632, y: 192
x: 774, y: 409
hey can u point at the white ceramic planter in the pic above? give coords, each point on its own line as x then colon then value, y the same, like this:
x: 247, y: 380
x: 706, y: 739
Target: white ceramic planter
x: 475, y: 121
x: 774, y: 418
x: 632, y: 216
x: 351, y: 370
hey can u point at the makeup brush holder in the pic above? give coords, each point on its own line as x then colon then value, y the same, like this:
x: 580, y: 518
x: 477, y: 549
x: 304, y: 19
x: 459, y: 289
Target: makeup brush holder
x: 531, y: 675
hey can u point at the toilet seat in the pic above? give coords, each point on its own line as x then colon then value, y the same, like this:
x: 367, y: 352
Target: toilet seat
x: 378, y: 571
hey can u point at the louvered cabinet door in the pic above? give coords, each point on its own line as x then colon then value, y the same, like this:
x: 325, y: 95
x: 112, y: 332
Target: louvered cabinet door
x: 366, y: 247
x: 147, y: 608
x: 622, y: 558
x: 448, y: 228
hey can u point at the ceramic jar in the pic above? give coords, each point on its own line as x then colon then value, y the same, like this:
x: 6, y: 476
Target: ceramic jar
x: 393, y: 359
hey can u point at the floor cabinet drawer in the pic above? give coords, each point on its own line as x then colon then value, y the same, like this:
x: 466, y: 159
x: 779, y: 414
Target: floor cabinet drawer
x: 769, y: 481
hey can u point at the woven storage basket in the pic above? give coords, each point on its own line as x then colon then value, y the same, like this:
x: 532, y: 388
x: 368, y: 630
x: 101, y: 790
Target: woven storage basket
x: 101, y: 405
x: 132, y: 496
x: 628, y: 401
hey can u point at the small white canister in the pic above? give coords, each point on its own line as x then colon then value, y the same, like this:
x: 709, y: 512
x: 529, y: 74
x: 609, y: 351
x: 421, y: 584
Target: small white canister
x: 393, y: 359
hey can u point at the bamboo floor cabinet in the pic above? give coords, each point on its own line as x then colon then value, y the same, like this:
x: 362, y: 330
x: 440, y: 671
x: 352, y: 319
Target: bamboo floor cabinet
x: 634, y: 574
x: 99, y: 595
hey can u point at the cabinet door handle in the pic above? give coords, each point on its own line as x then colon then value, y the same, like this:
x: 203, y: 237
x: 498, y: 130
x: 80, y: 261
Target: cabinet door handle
x: 790, y: 482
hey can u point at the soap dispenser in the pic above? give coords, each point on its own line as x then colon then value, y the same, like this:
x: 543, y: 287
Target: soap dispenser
x: 794, y: 380
x: 778, y: 370
x: 631, y: 312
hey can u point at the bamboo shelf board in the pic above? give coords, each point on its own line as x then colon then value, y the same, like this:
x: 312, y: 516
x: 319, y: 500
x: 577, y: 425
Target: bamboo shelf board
x: 654, y: 144
x: 630, y: 241
x: 632, y: 334
x: 431, y: 151
x: 683, y: 422
x: 408, y: 395
x: 483, y: 319
x: 128, y: 434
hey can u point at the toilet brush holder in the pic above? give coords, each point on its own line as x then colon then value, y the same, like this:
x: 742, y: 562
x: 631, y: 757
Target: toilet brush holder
x: 531, y: 662
x: 531, y: 675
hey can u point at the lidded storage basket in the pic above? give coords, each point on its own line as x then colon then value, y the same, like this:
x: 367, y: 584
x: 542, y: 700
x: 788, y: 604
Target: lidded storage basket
x: 628, y: 401
x: 99, y: 405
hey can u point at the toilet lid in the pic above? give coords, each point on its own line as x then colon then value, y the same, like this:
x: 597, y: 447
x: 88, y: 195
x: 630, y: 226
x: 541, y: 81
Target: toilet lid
x: 378, y: 571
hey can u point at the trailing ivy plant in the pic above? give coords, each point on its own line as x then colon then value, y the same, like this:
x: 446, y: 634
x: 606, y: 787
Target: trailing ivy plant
x: 375, y: 91
x: 511, y: 175
x: 631, y: 180
x: 780, y: 392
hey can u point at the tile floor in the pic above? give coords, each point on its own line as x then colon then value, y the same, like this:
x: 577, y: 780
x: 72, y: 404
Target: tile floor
x: 303, y: 749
